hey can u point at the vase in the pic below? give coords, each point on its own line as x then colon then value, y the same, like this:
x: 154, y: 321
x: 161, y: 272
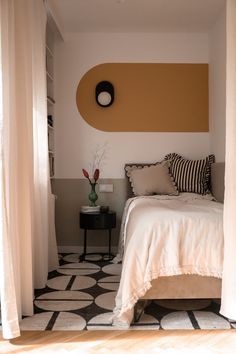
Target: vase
x: 93, y: 195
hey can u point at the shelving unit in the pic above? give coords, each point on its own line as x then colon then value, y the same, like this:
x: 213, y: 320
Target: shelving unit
x: 50, y: 39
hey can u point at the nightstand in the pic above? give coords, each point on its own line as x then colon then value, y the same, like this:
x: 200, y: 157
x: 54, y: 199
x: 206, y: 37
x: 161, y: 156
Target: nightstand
x: 97, y: 221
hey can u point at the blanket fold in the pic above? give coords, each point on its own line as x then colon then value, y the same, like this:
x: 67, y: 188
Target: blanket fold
x: 166, y: 236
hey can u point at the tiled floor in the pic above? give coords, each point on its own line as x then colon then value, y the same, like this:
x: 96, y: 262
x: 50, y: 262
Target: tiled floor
x: 81, y: 296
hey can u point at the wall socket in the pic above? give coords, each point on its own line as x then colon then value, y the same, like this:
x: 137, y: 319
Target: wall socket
x: 106, y: 188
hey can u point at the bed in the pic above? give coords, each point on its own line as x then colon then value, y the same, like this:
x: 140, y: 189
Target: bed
x: 171, y: 243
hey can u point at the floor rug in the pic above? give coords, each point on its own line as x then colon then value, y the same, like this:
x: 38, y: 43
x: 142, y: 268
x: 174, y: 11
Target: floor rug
x: 81, y: 296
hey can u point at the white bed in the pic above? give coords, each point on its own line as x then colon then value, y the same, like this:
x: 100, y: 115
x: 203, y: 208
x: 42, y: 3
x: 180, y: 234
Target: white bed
x: 170, y: 247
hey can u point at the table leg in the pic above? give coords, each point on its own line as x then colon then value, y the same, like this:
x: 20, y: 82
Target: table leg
x: 85, y: 242
x: 109, y: 252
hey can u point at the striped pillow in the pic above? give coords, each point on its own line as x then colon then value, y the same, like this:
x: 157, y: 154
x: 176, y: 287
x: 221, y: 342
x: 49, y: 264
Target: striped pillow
x: 191, y: 175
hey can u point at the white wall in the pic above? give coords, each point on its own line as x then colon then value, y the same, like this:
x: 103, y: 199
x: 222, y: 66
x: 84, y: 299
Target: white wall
x: 75, y: 140
x: 217, y: 87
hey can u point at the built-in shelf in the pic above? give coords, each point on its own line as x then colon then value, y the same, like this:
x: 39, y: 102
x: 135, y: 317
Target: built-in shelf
x: 49, y: 51
x: 49, y: 76
x: 50, y: 100
x: 50, y: 37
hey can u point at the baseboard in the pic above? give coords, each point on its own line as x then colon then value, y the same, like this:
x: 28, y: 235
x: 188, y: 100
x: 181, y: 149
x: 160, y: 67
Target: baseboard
x: 79, y: 249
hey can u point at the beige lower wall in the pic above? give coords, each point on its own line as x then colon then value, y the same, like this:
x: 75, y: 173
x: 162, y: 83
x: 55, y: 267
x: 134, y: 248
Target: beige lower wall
x: 71, y: 194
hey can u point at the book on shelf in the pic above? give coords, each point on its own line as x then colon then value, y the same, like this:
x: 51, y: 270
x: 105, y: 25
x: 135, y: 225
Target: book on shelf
x: 50, y: 99
x: 50, y: 120
x: 51, y: 165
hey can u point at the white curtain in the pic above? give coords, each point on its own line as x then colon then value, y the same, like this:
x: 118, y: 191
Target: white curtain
x: 228, y: 306
x: 24, y: 180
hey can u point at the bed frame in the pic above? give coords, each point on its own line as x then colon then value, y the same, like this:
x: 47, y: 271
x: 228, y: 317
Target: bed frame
x: 190, y: 286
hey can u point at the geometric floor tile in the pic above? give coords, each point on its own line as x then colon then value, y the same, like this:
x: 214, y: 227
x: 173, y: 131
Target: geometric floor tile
x: 93, y: 257
x: 63, y: 300
x: 109, y: 283
x: 113, y: 269
x: 102, y: 321
x: 83, y: 282
x: 47, y: 321
x: 69, y: 322
x: 74, y: 283
x: 59, y: 283
x: 78, y: 269
x: 81, y: 296
x: 106, y: 301
x: 146, y: 322
x: 36, y: 322
x: 210, y: 320
x: 177, y: 320
x: 74, y: 257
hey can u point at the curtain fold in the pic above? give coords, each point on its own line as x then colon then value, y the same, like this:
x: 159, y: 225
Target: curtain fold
x: 24, y: 182
x: 228, y: 303
x: 40, y: 139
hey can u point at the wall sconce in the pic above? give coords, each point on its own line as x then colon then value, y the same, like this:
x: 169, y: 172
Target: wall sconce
x: 104, y: 93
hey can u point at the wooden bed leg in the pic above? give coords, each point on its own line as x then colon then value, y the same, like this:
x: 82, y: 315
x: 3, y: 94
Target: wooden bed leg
x: 139, y: 308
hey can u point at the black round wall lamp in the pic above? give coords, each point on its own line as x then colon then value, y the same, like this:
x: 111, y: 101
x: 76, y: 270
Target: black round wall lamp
x: 104, y: 93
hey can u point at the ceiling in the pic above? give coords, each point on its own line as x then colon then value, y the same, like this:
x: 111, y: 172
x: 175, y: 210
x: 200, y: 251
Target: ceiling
x: 75, y: 16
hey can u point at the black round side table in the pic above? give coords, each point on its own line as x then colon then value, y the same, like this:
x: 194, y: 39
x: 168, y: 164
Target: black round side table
x: 97, y: 221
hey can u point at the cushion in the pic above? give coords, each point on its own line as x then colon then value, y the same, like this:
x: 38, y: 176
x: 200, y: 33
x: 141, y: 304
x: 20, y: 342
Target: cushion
x: 191, y: 175
x: 154, y: 179
x: 132, y: 166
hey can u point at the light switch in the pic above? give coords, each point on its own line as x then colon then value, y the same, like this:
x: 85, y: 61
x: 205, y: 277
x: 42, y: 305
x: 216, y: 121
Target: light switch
x: 106, y: 188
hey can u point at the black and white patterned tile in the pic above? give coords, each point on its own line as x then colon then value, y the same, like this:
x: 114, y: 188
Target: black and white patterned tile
x: 113, y: 269
x: 81, y: 296
x: 71, y: 282
x: 106, y: 301
x: 67, y: 300
x: 79, y: 268
x: 109, y: 283
x: 53, y: 321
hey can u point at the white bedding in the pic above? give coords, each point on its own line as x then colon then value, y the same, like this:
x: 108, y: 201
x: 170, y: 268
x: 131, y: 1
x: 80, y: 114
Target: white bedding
x: 166, y: 236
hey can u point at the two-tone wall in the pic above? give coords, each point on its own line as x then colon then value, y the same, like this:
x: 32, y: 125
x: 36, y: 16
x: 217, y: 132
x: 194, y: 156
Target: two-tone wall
x: 76, y: 140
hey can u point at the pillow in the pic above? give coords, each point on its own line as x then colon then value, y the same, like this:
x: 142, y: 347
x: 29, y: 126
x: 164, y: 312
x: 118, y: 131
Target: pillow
x: 154, y: 179
x: 191, y: 175
x: 132, y: 166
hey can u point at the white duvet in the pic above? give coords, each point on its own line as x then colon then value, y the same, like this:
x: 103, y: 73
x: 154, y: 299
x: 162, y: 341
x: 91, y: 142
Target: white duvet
x: 166, y: 236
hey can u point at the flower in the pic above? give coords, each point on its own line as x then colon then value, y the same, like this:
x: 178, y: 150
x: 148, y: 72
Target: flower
x: 95, y: 175
x: 85, y: 173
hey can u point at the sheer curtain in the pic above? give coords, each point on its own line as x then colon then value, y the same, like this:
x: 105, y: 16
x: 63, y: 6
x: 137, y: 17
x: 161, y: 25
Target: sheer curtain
x: 24, y: 180
x: 228, y: 307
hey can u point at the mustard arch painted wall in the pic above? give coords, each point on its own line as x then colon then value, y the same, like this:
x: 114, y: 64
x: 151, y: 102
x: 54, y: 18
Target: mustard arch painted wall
x: 149, y: 97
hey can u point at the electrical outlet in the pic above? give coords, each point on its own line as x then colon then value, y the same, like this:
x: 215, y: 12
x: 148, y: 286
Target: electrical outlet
x: 106, y: 188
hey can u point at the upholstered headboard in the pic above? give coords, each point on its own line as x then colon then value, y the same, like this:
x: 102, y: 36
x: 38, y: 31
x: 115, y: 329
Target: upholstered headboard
x: 217, y: 180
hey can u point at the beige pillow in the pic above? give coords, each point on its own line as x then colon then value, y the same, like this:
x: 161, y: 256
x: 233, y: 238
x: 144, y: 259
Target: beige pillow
x: 153, y: 180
